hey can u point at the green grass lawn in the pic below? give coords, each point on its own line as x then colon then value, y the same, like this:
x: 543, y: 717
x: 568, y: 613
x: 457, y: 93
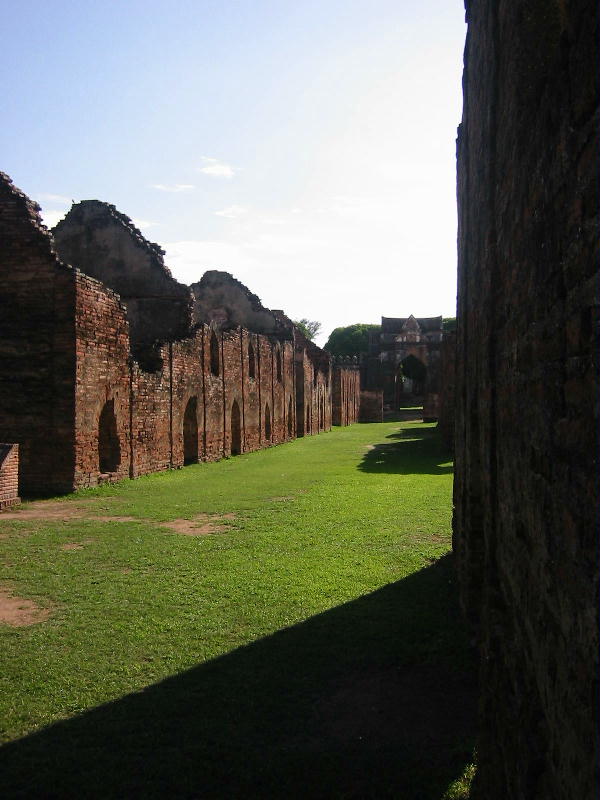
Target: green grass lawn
x: 310, y: 647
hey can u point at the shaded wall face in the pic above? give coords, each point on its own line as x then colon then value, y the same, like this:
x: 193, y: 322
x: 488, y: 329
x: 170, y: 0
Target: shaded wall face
x: 37, y: 347
x: 526, y: 491
x: 447, y: 390
x: 345, y: 401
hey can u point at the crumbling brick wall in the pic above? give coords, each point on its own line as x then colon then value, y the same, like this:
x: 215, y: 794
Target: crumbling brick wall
x: 37, y: 347
x: 371, y: 406
x: 526, y: 488
x: 9, y: 475
x: 106, y: 245
x: 345, y: 394
x: 102, y: 385
x: 76, y: 399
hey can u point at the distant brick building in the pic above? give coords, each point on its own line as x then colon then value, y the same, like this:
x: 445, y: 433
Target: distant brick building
x: 112, y: 369
x: 404, y: 359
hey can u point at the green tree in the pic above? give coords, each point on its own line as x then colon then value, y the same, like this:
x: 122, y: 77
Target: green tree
x: 351, y: 340
x: 310, y: 328
x: 449, y: 324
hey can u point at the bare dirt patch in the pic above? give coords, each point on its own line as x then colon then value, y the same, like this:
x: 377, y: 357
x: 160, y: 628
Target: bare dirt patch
x: 76, y: 545
x: 47, y: 509
x: 201, y: 524
x: 18, y: 612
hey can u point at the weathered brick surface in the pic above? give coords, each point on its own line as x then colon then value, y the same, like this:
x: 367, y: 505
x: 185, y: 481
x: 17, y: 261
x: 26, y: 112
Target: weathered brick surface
x: 371, y: 406
x: 106, y: 245
x: 37, y: 347
x: 526, y: 488
x: 346, y: 394
x: 102, y: 376
x: 447, y: 393
x: 77, y: 401
x: 9, y: 475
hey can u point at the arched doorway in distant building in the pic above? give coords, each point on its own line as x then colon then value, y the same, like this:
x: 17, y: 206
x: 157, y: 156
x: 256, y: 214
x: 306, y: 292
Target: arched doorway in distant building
x: 411, y: 377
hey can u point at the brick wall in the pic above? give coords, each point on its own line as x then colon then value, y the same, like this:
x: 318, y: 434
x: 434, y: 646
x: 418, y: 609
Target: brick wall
x: 102, y: 387
x: 526, y: 488
x: 447, y: 394
x: 9, y: 475
x: 37, y: 347
x: 371, y: 406
x: 345, y: 395
x: 106, y: 245
x: 75, y: 398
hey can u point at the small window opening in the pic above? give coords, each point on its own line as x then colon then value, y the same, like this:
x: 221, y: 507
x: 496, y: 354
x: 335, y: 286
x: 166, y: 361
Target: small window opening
x: 267, y: 422
x: 109, y: 448
x: 251, y: 364
x: 214, y: 354
x: 190, y: 432
x: 236, y: 429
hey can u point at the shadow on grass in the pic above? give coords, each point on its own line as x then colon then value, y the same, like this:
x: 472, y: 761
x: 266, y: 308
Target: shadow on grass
x: 414, y: 450
x: 372, y: 699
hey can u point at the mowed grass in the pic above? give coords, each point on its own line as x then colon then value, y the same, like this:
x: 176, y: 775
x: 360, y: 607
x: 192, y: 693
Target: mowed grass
x: 311, y: 648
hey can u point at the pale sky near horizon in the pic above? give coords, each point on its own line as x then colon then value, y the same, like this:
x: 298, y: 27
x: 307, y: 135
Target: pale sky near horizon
x: 306, y: 147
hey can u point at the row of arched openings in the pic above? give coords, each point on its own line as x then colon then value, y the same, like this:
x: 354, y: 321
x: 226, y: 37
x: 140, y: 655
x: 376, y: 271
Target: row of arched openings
x: 109, y: 447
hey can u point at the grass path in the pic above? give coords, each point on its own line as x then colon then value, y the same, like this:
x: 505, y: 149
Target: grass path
x: 309, y: 647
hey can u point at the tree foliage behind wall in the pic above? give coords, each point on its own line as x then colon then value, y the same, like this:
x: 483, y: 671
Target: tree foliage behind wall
x: 350, y: 340
x: 310, y: 328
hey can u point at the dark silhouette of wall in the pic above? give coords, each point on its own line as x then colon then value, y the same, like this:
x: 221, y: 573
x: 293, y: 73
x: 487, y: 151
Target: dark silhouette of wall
x: 526, y: 489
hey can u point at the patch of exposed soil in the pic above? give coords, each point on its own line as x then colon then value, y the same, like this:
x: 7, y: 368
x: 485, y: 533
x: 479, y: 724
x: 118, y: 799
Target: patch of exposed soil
x: 200, y: 524
x: 18, y: 612
x: 49, y: 509
x: 65, y: 511
x: 76, y: 545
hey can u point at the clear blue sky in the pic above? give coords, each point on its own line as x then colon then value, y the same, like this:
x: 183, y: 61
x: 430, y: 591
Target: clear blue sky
x: 307, y: 147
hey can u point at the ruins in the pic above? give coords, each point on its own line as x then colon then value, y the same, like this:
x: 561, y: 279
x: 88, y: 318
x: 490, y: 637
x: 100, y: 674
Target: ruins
x: 113, y: 369
x: 404, y: 359
x: 527, y: 436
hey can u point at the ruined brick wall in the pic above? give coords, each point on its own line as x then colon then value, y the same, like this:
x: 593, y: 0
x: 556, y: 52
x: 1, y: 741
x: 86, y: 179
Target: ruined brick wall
x: 37, y: 347
x: 102, y: 386
x: 526, y: 488
x: 345, y: 394
x: 75, y: 398
x: 371, y: 406
x: 106, y: 245
x: 447, y: 393
x: 220, y: 299
x: 9, y: 475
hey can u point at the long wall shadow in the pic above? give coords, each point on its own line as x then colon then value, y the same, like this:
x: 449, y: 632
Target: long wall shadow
x: 372, y: 699
x: 410, y: 451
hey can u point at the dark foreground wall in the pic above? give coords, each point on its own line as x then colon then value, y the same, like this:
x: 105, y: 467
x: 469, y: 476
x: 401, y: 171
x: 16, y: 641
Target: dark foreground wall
x: 526, y: 488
